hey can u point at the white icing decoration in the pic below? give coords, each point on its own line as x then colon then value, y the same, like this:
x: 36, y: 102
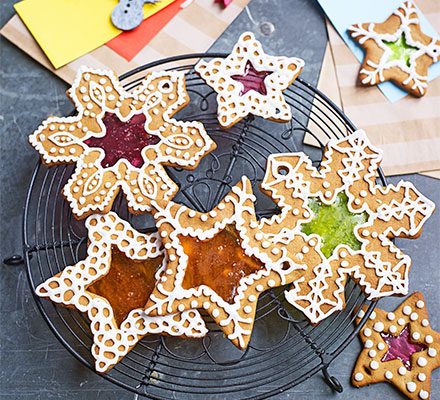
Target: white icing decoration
x: 359, y: 376
x: 411, y: 387
x: 96, y: 265
x: 232, y: 106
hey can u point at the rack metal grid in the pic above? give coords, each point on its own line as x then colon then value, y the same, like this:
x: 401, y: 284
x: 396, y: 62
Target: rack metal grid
x: 285, y: 349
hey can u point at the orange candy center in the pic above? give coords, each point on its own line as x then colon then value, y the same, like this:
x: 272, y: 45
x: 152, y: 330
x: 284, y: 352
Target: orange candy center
x: 219, y: 263
x: 128, y: 284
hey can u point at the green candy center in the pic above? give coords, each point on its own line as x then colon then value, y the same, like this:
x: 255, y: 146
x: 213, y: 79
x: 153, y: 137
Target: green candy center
x: 334, y: 223
x: 400, y: 50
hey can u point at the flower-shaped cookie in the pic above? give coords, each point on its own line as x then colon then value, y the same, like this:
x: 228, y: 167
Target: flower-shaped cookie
x: 346, y: 218
x: 112, y: 286
x: 121, y: 140
x: 397, y: 50
x: 218, y: 261
x: 400, y: 348
x: 249, y: 81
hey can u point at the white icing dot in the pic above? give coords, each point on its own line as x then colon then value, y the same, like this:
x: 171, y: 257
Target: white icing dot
x: 369, y: 344
x: 172, y: 257
x: 265, y: 244
x: 367, y: 332
x: 344, y: 263
x: 420, y: 304
x: 221, y: 206
x: 312, y: 242
x: 365, y: 232
x: 389, y: 375
x: 206, y: 305
x: 271, y: 283
x: 215, y: 313
x: 204, y: 217
x: 326, y: 184
x: 343, y: 253
x: 164, y: 234
x: 358, y: 377
x: 401, y: 321
x: 140, y: 199
x: 372, y: 353
x: 432, y: 352
x: 421, y: 377
x: 416, y: 335
x: 258, y: 236
x: 295, y: 211
x: 213, y: 213
x: 407, y: 310
x: 374, y: 365
x: 247, y: 309
x: 328, y: 193
x: 357, y: 201
x: 252, y: 298
x: 424, y: 394
x: 425, y: 322
x: 72, y: 150
x: 381, y: 346
x: 422, y: 361
x: 378, y: 326
x: 402, y: 370
x: 83, y: 89
x: 393, y: 329
x: 259, y: 288
x: 194, y: 304
x: 97, y: 199
x: 361, y: 314
x: 305, y: 249
x: 275, y: 250
x: 89, y: 106
x: 108, y: 89
x: 53, y: 150
x: 181, y: 307
x: 102, y: 81
x: 192, y: 214
x: 107, y: 185
x: 429, y: 339
x: 411, y: 386
x: 363, y: 193
x: 111, y: 97
x: 169, y: 271
x: 391, y: 316
x: 199, y: 142
x: 373, y: 315
x: 163, y: 279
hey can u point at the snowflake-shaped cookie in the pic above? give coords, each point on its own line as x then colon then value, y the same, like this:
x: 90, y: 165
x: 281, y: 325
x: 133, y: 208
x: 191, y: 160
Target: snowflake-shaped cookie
x: 400, y: 347
x: 112, y: 286
x: 248, y: 81
x: 121, y: 140
x: 342, y: 200
x: 397, y: 50
x: 218, y: 261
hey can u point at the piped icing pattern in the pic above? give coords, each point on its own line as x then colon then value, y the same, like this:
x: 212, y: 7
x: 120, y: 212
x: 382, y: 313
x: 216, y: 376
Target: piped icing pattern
x: 249, y: 81
x: 105, y: 140
x: 349, y: 167
x: 113, y: 340
x: 249, y: 263
x: 399, y: 347
x: 397, y: 50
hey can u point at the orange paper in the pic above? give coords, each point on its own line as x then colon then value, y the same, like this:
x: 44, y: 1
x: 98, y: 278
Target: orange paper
x: 130, y: 43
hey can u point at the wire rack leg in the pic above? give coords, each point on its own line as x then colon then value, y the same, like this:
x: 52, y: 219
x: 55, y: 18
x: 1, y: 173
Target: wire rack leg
x: 332, y: 381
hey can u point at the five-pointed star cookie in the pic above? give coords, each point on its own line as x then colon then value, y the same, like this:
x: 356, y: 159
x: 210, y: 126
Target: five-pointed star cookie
x: 121, y: 140
x: 248, y: 81
x: 399, y: 347
x: 397, y: 50
x: 347, y: 220
x: 218, y: 261
x: 112, y: 286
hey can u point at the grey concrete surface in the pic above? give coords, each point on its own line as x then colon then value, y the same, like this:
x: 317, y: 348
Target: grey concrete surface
x: 33, y: 364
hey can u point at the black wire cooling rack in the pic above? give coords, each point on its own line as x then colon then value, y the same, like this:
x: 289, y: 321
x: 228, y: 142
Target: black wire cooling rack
x: 285, y: 349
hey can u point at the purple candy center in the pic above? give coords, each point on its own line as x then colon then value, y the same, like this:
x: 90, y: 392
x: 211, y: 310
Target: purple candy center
x: 401, y: 347
x: 123, y: 140
x: 252, y: 79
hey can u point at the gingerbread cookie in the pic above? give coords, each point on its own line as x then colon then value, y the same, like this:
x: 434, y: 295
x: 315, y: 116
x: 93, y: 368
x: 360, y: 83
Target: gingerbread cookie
x: 218, y: 261
x: 249, y: 81
x: 121, y: 140
x: 397, y: 50
x: 112, y: 286
x: 345, y: 219
x: 400, y: 348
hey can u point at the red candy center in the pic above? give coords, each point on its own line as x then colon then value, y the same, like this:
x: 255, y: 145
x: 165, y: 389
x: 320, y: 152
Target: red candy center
x: 401, y: 347
x: 123, y: 140
x: 252, y: 79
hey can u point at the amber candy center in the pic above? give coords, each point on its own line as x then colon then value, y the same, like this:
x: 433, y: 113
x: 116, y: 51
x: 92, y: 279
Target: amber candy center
x: 219, y: 263
x: 128, y: 284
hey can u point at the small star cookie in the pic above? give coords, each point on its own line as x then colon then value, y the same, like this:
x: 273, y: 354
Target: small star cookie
x: 249, y: 81
x: 400, y: 348
x: 397, y: 50
x: 112, y: 286
x: 346, y: 219
x: 121, y: 140
x: 218, y: 261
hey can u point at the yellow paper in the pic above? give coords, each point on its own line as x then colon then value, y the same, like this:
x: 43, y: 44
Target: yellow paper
x: 68, y: 29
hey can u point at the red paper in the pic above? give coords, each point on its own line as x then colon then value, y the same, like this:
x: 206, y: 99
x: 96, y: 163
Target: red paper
x: 128, y: 44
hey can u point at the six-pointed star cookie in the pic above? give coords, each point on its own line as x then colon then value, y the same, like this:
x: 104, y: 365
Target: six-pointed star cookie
x: 346, y: 219
x: 121, y: 140
x: 218, y: 261
x: 399, y: 347
x: 112, y: 286
x: 249, y: 81
x: 397, y: 50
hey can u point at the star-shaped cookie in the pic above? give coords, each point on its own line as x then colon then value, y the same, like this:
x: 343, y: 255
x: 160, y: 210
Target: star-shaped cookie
x: 121, y: 140
x: 248, y: 81
x: 218, y: 261
x: 112, y: 286
x: 397, y: 50
x: 400, y: 347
